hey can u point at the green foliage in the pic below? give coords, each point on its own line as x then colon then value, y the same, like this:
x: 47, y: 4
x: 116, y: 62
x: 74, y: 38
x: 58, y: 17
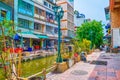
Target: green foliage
x: 6, y: 35
x: 92, y: 31
x: 85, y: 45
x: 76, y: 47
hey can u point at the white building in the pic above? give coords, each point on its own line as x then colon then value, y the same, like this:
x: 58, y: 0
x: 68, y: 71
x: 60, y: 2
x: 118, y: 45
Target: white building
x: 78, y: 19
x: 68, y: 18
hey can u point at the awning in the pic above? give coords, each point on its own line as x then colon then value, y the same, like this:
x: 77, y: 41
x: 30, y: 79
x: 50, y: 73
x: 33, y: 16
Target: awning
x: 42, y: 36
x: 52, y: 36
x: 27, y: 35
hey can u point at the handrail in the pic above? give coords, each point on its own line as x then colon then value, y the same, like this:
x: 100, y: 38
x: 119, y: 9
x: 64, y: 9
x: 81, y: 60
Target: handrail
x: 42, y: 72
x: 35, y: 74
x: 50, y: 68
x: 21, y: 78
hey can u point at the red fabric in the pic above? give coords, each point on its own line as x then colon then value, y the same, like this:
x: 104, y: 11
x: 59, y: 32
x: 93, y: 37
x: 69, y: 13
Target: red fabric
x: 76, y: 55
x: 37, y: 47
x: 18, y: 50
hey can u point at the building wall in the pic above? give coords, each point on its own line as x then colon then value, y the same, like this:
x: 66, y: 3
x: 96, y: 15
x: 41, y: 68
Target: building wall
x: 68, y: 18
x: 24, y: 15
x: 79, y: 19
x: 116, y: 37
x: 5, y: 11
x: 9, y: 2
x: 115, y: 18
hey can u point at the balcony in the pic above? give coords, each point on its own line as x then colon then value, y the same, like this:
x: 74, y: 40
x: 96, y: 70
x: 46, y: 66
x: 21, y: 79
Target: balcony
x: 36, y: 15
x: 55, y: 22
x: 40, y: 31
x: 42, y: 17
x: 39, y: 17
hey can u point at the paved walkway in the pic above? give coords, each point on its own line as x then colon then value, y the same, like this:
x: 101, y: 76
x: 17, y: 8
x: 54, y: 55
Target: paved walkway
x: 88, y: 71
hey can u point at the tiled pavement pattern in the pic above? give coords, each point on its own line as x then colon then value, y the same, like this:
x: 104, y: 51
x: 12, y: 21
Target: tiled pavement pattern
x: 87, y: 71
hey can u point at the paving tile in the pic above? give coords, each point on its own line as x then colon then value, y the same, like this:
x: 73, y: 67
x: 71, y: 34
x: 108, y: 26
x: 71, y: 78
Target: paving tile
x: 95, y: 72
x: 110, y: 70
x: 111, y: 78
x: 111, y: 74
x: 118, y: 75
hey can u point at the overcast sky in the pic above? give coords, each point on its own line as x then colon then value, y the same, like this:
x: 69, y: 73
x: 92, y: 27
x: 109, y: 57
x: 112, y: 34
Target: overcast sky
x: 93, y: 9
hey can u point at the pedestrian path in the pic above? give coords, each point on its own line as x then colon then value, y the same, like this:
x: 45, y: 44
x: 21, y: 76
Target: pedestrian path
x: 109, y: 69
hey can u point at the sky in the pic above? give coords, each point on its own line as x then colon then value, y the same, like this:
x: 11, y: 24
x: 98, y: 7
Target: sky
x: 93, y: 9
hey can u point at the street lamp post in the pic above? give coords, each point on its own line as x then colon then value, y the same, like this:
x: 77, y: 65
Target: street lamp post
x: 58, y: 16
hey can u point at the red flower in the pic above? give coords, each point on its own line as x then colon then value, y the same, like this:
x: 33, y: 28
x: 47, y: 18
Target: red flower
x: 75, y: 55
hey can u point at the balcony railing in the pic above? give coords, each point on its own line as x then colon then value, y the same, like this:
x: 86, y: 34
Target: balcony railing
x: 38, y: 31
x: 42, y: 17
x: 55, y: 22
x: 39, y: 16
x: 36, y: 15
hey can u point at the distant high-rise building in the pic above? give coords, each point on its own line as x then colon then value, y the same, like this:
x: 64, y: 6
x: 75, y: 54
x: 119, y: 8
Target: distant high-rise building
x: 107, y: 13
x: 78, y: 18
x: 68, y: 18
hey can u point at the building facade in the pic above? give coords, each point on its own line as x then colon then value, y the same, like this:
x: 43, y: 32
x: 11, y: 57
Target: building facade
x: 115, y: 22
x: 68, y: 18
x: 35, y: 19
x: 79, y: 19
x: 5, y: 11
x: 36, y: 24
x: 24, y: 18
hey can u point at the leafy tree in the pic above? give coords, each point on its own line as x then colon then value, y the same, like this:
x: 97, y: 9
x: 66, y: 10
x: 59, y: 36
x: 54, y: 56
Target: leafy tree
x: 6, y: 36
x: 85, y: 45
x: 92, y: 31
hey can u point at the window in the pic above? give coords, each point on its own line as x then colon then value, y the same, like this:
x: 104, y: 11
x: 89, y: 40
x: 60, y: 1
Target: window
x: 49, y: 17
x: 37, y: 26
x: 25, y: 8
x: 45, y: 3
x: 53, y: 7
x: 48, y: 29
x: 56, y: 30
x: 24, y: 23
x: 3, y: 13
x: 49, y: 6
x: 36, y: 10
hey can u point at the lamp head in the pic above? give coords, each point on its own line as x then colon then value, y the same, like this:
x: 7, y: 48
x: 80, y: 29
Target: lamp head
x: 61, y: 14
x: 55, y: 8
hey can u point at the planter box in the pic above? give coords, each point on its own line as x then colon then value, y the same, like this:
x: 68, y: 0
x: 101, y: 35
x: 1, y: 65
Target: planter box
x: 61, y: 67
x: 69, y: 62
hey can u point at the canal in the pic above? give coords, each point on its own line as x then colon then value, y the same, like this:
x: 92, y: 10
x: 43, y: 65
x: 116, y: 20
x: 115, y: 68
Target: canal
x: 31, y: 67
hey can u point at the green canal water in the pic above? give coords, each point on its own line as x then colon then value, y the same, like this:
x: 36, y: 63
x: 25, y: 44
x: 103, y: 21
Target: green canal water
x: 33, y: 66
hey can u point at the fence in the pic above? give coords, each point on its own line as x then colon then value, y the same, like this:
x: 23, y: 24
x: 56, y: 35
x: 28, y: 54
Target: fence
x: 43, y: 72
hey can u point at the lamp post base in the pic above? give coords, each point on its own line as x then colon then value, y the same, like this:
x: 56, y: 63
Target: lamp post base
x: 59, y: 60
x: 61, y: 67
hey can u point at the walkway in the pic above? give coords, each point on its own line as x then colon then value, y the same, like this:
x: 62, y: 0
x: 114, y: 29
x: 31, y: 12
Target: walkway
x: 108, y: 70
